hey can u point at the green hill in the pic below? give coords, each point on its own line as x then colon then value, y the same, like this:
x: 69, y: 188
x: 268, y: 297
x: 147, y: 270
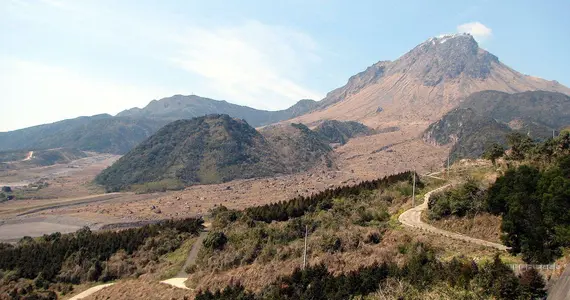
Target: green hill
x: 340, y: 132
x: 488, y: 116
x: 213, y: 149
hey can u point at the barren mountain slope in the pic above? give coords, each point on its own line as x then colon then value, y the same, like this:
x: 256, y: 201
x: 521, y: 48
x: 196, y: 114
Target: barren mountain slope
x: 423, y: 84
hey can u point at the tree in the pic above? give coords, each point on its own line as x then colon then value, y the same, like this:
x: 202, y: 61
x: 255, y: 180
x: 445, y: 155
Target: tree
x: 6, y: 189
x: 215, y: 240
x: 532, y: 284
x: 520, y: 145
x: 493, y: 152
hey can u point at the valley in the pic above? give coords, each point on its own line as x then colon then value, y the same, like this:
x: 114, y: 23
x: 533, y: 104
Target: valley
x: 191, y: 197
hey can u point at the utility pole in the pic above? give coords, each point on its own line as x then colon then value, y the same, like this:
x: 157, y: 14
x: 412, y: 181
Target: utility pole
x: 414, y: 190
x: 305, y: 252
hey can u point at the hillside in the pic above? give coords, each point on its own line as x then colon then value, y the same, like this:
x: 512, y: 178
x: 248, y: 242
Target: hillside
x: 41, y: 157
x: 340, y: 132
x: 298, y: 147
x: 100, y: 133
x: 488, y: 116
x: 214, y: 149
x: 208, y: 149
x: 119, y: 134
x: 423, y: 84
x: 187, y: 107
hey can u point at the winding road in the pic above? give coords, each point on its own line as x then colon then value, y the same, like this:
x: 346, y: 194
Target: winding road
x: 413, y: 218
x: 182, y: 276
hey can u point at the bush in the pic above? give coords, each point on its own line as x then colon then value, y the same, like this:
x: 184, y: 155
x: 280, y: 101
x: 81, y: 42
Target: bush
x: 215, y: 240
x: 466, y: 200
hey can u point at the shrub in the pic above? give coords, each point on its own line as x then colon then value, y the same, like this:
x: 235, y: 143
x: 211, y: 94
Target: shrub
x: 215, y: 240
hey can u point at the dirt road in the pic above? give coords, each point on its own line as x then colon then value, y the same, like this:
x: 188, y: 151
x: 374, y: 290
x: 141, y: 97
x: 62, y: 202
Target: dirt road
x: 90, y: 291
x: 412, y: 218
x: 180, y: 280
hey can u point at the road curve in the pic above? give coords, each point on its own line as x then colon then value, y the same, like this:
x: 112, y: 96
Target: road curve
x: 412, y: 218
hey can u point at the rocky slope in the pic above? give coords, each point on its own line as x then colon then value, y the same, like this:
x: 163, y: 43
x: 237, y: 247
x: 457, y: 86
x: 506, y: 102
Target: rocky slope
x: 423, y: 84
x: 488, y: 116
x: 340, y: 132
x: 214, y: 149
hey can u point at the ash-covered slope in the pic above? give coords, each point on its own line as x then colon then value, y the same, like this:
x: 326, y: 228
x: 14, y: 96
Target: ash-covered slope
x: 424, y: 84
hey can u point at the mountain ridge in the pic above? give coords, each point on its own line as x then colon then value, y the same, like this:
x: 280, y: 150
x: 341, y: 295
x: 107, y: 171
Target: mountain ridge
x: 423, y: 84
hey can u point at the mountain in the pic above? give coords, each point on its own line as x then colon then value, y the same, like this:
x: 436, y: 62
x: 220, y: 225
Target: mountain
x: 119, y: 134
x: 99, y: 133
x: 488, y: 116
x: 213, y: 149
x: 187, y: 107
x: 423, y: 84
x: 340, y: 132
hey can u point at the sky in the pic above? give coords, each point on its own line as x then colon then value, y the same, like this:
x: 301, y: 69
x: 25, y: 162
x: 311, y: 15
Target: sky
x: 67, y: 58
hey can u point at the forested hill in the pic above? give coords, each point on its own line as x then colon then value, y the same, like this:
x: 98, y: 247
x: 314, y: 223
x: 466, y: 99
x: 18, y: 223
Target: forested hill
x: 488, y: 116
x: 99, y: 133
x: 214, y: 149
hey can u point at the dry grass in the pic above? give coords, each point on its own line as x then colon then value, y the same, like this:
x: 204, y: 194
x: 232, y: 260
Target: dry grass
x: 483, y: 226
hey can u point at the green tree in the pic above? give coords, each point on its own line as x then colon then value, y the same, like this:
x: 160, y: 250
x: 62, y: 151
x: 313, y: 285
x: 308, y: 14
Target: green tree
x: 215, y: 240
x: 519, y: 144
x: 493, y: 151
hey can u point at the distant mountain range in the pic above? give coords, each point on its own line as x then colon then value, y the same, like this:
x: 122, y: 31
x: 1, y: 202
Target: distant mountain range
x: 416, y: 89
x: 488, y: 116
x: 119, y: 134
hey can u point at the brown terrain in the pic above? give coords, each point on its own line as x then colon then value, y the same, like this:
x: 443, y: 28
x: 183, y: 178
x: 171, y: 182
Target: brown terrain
x: 70, y: 201
x: 410, y: 93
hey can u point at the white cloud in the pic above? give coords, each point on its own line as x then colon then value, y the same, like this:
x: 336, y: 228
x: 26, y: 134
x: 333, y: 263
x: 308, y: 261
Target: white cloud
x: 35, y: 93
x: 256, y: 63
x: 478, y: 30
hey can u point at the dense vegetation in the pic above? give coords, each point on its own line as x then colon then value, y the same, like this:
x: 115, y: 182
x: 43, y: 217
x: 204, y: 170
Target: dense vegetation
x: 532, y: 198
x: 214, y: 149
x: 422, y: 270
x: 340, y: 132
x: 56, y: 260
x: 465, y: 200
x: 209, y: 149
x: 487, y: 117
x: 285, y: 210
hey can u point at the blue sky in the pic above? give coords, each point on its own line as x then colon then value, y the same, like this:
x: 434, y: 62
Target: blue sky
x: 66, y: 58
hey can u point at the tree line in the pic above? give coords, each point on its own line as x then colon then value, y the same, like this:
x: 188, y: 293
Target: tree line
x: 297, y: 207
x: 45, y: 256
x: 422, y: 270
